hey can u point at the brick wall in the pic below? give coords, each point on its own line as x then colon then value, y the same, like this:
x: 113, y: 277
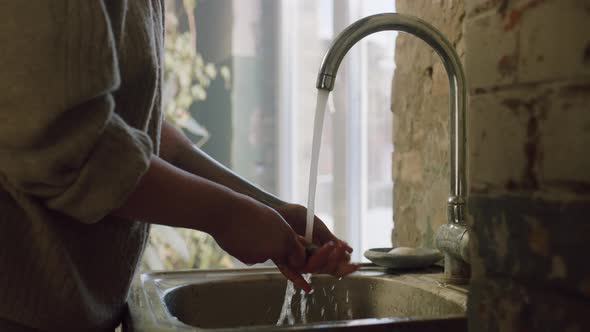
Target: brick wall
x: 528, y: 69
x: 420, y: 106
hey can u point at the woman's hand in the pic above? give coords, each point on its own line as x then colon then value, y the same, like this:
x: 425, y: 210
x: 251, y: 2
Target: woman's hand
x: 296, y: 216
x: 251, y: 237
x: 256, y: 233
x: 330, y: 254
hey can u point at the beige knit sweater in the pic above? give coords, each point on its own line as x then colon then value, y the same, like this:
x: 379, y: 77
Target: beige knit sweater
x: 79, y: 114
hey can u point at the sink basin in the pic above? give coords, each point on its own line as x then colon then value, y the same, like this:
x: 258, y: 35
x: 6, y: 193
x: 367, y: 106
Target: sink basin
x: 251, y: 299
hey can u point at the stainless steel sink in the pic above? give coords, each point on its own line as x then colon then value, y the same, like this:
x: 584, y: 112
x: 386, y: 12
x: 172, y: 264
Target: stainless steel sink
x: 251, y: 299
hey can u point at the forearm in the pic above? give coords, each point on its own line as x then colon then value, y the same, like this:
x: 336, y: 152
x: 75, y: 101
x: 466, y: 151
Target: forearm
x: 177, y: 149
x: 170, y: 196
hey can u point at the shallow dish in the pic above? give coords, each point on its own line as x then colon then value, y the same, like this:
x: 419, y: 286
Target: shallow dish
x: 418, y: 258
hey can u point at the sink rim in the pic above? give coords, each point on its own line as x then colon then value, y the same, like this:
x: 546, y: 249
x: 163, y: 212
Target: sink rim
x: 150, y: 289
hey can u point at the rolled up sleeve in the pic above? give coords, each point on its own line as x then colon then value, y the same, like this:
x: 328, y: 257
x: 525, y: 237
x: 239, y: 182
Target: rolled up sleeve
x: 62, y: 142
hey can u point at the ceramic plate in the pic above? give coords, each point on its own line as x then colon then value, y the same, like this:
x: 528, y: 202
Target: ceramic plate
x: 418, y: 258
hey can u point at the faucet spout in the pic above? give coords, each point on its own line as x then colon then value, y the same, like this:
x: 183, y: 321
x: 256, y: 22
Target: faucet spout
x: 398, y: 22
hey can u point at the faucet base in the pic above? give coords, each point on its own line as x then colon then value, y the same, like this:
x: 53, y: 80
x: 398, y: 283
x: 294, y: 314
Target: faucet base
x: 453, y: 241
x: 457, y: 272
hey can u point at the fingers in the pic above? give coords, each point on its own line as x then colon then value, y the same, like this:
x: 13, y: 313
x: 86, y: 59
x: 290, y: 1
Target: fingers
x: 296, y: 254
x: 319, y: 258
x: 295, y: 277
x: 337, y: 257
x: 332, y: 258
x: 301, y: 240
x: 295, y: 262
x: 323, y: 235
x: 295, y: 215
x: 346, y: 246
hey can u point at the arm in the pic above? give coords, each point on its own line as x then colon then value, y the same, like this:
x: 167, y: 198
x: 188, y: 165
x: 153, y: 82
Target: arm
x: 64, y: 149
x: 170, y: 196
x: 177, y: 149
x: 244, y: 227
x: 62, y: 145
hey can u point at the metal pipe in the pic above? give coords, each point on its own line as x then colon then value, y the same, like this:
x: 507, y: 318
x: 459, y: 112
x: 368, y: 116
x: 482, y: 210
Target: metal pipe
x: 397, y: 22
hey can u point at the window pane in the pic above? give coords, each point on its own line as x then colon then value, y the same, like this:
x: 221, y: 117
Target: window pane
x: 258, y: 115
x: 378, y: 68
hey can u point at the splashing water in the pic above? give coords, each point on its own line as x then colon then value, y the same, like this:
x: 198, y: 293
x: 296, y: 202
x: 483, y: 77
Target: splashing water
x: 320, y: 110
x: 303, y: 309
x: 286, y: 316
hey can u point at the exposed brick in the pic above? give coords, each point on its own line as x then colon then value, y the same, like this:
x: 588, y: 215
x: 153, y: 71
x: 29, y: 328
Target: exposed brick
x: 529, y: 127
x: 529, y: 238
x: 491, y: 52
x: 565, y: 136
x: 495, y: 141
x: 531, y: 139
x: 411, y: 167
x: 515, y: 42
x: 475, y: 7
x: 420, y: 105
x: 508, y: 305
x: 554, y: 41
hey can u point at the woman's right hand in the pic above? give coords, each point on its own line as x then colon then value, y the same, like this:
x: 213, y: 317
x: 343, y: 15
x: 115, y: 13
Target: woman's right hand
x: 255, y: 233
x: 245, y: 228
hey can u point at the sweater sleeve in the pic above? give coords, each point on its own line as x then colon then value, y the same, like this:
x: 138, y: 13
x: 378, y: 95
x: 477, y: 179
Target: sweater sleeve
x: 61, y: 142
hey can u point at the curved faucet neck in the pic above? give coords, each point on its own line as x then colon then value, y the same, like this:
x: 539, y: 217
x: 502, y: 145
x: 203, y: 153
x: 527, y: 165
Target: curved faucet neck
x: 397, y: 22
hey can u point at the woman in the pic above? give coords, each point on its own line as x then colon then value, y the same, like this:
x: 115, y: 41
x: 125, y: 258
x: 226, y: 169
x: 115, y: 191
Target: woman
x: 86, y: 163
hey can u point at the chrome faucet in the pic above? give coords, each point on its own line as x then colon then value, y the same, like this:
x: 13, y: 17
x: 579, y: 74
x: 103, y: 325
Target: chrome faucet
x: 452, y: 239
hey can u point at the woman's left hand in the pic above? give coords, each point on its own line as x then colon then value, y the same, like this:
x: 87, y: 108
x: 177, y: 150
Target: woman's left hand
x: 332, y: 255
x: 296, y: 217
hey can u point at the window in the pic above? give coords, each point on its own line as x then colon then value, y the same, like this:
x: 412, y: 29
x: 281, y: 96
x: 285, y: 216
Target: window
x: 354, y: 194
x: 273, y: 50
